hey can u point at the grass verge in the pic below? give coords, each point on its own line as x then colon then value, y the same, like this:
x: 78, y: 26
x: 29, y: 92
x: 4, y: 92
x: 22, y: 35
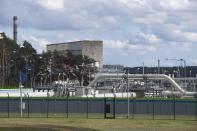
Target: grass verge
x: 105, y: 124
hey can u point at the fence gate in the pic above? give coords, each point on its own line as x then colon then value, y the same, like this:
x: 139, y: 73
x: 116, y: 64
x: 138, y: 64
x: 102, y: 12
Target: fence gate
x: 109, y: 108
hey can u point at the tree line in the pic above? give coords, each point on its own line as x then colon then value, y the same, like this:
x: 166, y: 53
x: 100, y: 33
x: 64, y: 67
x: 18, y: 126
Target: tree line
x: 22, y: 63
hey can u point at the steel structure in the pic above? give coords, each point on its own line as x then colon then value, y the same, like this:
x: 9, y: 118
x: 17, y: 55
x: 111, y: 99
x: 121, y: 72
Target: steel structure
x: 141, y: 76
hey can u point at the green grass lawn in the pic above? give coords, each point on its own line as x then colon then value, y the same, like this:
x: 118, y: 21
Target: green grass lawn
x: 104, y: 124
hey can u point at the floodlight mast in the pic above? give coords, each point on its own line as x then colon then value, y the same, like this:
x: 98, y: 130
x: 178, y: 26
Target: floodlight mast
x: 185, y: 67
x: 21, y: 98
x: 128, y: 110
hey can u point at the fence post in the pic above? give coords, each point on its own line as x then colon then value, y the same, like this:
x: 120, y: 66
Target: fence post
x: 114, y: 106
x: 104, y: 108
x: 133, y: 108
x: 196, y: 106
x: 87, y: 106
x: 67, y: 105
x: 8, y: 106
x: 55, y: 106
x: 153, y: 104
x: 174, y: 106
x: 28, y: 104
x: 160, y: 105
x: 47, y: 105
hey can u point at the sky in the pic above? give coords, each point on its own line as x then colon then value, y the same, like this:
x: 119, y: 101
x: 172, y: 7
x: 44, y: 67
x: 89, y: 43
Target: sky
x: 132, y: 31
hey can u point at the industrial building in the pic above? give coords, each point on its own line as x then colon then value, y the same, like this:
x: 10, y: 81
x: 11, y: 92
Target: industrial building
x: 92, y: 49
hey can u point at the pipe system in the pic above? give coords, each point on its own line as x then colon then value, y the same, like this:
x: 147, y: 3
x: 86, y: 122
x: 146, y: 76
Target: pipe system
x: 141, y: 76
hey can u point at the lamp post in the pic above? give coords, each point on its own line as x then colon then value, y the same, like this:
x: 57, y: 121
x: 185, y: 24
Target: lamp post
x: 82, y: 70
x: 185, y: 70
x: 21, y: 97
x: 128, y: 112
x: 26, y: 68
x: 178, y: 66
x: 30, y: 77
x: 90, y: 67
x: 50, y: 64
x: 184, y: 61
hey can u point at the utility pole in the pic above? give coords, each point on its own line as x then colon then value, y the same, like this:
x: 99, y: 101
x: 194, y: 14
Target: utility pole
x: 128, y: 112
x: 82, y: 71
x: 50, y: 63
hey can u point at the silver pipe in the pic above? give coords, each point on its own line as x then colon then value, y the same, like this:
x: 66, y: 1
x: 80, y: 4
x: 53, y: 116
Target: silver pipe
x: 149, y: 76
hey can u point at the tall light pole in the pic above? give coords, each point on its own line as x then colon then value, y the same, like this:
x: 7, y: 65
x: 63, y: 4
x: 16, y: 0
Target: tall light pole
x: 26, y: 58
x: 181, y: 60
x: 21, y: 97
x: 185, y: 71
x: 82, y: 71
x: 128, y: 112
x: 26, y: 62
x: 50, y: 64
x: 177, y: 67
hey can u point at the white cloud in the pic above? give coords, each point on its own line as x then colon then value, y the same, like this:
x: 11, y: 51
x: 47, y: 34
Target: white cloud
x: 61, y: 35
x: 188, y: 36
x: 151, y: 38
x: 126, y: 26
x: 134, y: 4
x: 57, y: 5
x: 175, y: 4
x: 38, y: 43
x: 181, y: 46
x: 194, y: 62
x: 139, y: 48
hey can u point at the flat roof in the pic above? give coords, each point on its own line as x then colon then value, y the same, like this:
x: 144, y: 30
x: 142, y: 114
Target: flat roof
x: 74, y: 42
